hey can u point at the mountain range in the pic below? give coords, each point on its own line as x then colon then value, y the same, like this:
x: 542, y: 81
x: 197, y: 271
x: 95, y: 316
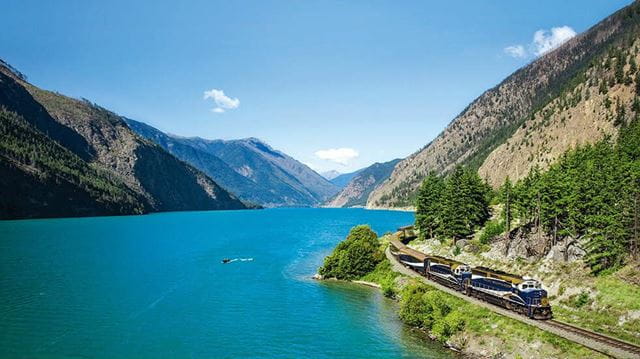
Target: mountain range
x: 61, y: 156
x: 361, y: 183
x: 579, y: 93
x: 248, y: 167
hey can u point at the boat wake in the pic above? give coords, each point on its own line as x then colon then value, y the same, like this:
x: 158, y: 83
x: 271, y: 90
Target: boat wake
x: 226, y: 261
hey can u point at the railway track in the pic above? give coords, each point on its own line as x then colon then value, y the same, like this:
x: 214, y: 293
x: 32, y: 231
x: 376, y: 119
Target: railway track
x: 622, y: 345
x: 598, y: 342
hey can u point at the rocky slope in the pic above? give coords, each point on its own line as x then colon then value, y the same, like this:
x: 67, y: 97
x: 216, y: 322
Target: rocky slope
x: 343, y: 179
x: 356, y: 192
x: 595, y: 106
x: 66, y: 157
x: 248, y: 167
x: 480, y: 135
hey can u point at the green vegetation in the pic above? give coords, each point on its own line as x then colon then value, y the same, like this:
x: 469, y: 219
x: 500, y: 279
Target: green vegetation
x: 23, y: 146
x: 454, y: 206
x: 491, y: 230
x: 592, y: 192
x: 432, y: 310
x: 443, y: 316
x: 383, y: 275
x: 605, y: 303
x: 356, y: 256
x: 454, y: 320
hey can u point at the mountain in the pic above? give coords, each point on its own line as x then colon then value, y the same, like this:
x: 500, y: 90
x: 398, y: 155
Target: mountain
x: 578, y: 93
x: 362, y: 183
x: 248, y: 167
x: 61, y: 156
x: 343, y: 180
x: 329, y: 175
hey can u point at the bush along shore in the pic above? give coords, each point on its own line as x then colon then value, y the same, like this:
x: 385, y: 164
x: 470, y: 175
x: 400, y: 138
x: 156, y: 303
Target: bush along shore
x: 457, y: 324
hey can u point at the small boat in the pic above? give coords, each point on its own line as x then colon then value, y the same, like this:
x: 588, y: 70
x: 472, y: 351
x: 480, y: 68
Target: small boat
x: 226, y: 260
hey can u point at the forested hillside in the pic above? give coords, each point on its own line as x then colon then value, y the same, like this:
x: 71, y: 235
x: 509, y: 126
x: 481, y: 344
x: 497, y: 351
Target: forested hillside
x: 67, y: 157
x: 590, y: 198
x: 569, y: 96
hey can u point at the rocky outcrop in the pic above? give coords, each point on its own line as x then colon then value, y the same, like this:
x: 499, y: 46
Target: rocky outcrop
x: 531, y: 243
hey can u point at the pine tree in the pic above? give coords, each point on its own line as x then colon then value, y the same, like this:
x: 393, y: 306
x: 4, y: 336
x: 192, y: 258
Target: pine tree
x: 456, y: 210
x: 429, y: 206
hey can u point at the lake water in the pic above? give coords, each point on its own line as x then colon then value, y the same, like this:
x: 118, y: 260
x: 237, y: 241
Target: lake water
x: 153, y: 286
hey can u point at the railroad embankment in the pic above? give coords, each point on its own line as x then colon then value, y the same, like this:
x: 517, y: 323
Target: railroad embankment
x: 608, y: 303
x: 460, y: 325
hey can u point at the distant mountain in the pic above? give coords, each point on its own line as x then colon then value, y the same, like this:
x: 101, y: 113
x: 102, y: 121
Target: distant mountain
x: 579, y: 93
x: 248, y: 167
x: 66, y: 157
x: 362, y: 182
x: 329, y: 175
x: 343, y: 180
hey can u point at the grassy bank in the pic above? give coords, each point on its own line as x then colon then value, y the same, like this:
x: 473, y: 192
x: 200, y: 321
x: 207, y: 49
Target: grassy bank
x: 606, y: 303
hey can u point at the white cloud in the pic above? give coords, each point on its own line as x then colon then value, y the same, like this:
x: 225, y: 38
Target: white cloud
x: 222, y: 101
x: 338, y: 155
x: 543, y: 42
x: 517, y: 51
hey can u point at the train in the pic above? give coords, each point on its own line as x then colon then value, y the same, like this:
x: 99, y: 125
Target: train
x: 519, y: 294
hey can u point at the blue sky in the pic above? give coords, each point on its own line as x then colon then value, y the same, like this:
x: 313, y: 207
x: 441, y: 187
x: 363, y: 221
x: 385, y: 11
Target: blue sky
x: 336, y: 84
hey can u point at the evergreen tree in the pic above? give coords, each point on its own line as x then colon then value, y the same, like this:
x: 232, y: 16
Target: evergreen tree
x: 455, y: 211
x: 429, y: 206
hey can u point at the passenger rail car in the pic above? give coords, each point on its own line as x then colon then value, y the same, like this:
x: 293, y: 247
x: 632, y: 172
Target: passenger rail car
x: 520, y: 294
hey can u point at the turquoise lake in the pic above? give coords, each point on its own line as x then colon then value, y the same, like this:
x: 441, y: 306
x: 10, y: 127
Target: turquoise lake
x: 153, y: 286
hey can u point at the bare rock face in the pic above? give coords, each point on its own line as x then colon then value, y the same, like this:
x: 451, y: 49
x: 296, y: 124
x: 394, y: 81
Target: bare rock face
x: 521, y: 107
x: 567, y: 250
x: 525, y: 242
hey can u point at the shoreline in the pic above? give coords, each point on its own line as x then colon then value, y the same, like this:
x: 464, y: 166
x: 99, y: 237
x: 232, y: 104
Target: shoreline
x: 445, y: 345
x: 318, y: 277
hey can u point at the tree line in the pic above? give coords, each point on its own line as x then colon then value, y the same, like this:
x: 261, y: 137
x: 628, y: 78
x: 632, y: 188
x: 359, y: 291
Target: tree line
x: 591, y: 194
x: 453, y: 206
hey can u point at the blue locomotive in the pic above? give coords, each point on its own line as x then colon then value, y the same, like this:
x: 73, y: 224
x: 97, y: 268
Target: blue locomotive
x: 520, y: 294
x: 448, y: 272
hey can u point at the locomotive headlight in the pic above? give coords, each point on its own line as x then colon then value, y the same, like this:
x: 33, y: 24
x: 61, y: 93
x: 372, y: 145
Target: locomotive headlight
x: 544, y: 301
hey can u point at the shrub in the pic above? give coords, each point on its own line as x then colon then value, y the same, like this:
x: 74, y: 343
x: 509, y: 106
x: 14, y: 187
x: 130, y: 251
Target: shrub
x: 431, y: 310
x: 385, y: 276
x: 581, y: 300
x: 492, y: 229
x: 354, y: 257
